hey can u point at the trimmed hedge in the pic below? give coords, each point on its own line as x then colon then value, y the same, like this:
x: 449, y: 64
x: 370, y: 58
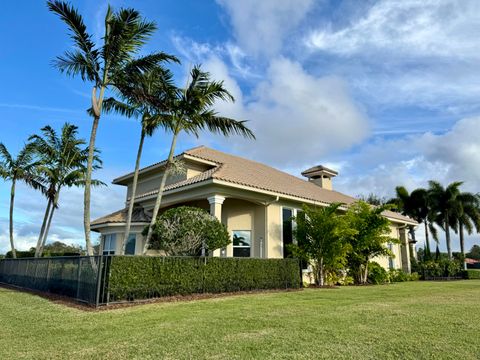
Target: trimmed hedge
x: 471, y: 274
x: 144, y: 277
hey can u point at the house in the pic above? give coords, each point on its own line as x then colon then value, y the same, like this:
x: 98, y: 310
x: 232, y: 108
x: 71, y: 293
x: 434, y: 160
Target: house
x: 254, y: 201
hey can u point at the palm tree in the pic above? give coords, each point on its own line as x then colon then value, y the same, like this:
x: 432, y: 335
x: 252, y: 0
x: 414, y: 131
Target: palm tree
x: 467, y: 216
x: 144, y: 95
x: 444, y: 203
x: 416, y: 206
x: 191, y: 111
x: 22, y: 168
x: 103, y: 66
x: 64, y: 160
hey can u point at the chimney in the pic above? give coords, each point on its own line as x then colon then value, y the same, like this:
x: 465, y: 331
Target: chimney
x: 321, y: 176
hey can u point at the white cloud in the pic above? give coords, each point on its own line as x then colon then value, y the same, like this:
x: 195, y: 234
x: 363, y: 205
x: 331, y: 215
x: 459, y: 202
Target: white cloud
x: 297, y: 118
x: 261, y: 26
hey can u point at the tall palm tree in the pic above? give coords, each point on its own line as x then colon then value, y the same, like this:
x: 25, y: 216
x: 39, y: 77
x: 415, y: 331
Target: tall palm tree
x: 64, y: 159
x: 22, y: 168
x: 467, y: 216
x: 144, y: 96
x: 415, y: 205
x: 444, y: 203
x: 103, y: 66
x: 191, y: 111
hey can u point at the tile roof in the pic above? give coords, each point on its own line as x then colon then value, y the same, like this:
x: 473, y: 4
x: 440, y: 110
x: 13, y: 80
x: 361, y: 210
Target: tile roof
x: 120, y: 216
x: 241, y: 171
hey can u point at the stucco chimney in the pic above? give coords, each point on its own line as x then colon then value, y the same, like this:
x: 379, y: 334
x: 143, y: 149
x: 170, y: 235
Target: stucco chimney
x: 321, y: 176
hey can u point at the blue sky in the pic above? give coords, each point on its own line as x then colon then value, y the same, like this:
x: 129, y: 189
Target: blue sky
x: 386, y: 92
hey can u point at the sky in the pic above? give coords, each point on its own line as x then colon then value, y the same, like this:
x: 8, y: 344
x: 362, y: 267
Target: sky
x: 385, y: 92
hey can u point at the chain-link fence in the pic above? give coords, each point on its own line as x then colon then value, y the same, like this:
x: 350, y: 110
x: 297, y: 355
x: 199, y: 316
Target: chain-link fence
x: 80, y: 278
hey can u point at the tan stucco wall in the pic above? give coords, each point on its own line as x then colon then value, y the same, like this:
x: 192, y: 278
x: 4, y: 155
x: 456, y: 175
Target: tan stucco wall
x: 396, y: 249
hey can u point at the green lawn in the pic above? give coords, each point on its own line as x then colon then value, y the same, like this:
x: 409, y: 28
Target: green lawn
x: 417, y: 320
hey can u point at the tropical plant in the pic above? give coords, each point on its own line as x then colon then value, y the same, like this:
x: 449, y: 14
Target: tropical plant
x: 191, y: 111
x: 371, y: 234
x: 444, y: 203
x: 467, y: 214
x: 24, y: 168
x: 416, y: 206
x: 104, y: 66
x: 144, y: 96
x: 321, y: 240
x: 63, y: 164
x: 188, y: 231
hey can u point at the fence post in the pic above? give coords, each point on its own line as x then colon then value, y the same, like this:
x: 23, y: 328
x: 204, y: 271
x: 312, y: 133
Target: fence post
x: 48, y: 273
x: 99, y: 280
x: 79, y: 272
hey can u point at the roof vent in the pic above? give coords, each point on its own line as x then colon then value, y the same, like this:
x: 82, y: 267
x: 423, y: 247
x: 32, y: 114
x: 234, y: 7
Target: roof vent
x: 321, y: 176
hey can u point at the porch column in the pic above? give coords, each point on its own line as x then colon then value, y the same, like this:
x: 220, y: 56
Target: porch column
x: 216, y: 202
x: 405, y: 250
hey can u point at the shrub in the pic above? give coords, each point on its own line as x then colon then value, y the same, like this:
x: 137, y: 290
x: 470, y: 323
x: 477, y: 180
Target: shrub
x: 441, y: 268
x: 377, y: 274
x: 182, y: 231
x: 398, y: 275
x: 149, y: 277
x: 471, y: 274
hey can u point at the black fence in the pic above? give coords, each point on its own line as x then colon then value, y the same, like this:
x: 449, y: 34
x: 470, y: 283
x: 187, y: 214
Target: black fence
x: 81, y: 278
x: 100, y: 280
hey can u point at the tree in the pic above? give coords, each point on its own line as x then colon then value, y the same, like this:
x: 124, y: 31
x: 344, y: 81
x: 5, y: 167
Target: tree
x: 467, y: 215
x: 369, y: 239
x: 188, y: 231
x: 416, y: 206
x: 321, y: 240
x: 444, y: 203
x: 144, y: 95
x: 63, y: 164
x: 191, y: 111
x: 22, y: 168
x: 103, y: 66
x: 474, y: 252
x: 373, y: 199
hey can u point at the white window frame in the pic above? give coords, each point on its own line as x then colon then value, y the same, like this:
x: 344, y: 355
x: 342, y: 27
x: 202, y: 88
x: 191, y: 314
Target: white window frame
x: 294, y: 225
x: 135, y: 243
x: 109, y: 250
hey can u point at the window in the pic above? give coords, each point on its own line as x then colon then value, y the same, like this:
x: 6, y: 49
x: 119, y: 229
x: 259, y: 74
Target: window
x: 109, y: 244
x: 287, y: 230
x: 242, y: 242
x: 130, y: 248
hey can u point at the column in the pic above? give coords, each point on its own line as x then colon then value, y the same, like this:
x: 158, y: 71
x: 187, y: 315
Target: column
x: 405, y: 250
x: 216, y: 202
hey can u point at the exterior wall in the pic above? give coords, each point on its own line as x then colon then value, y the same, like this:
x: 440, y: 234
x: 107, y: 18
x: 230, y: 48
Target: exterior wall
x: 384, y: 261
x: 146, y: 184
x: 119, y: 232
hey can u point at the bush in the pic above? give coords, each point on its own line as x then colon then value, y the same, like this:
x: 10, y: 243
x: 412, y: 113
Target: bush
x: 149, y: 277
x: 182, y: 231
x: 414, y: 276
x: 471, y: 274
x: 441, y: 268
x: 377, y: 274
x: 398, y: 275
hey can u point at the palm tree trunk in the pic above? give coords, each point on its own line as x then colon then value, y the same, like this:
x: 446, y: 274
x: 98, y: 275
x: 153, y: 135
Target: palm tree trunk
x: 322, y: 275
x: 97, y: 106
x: 462, y: 244
x: 160, y: 192
x: 49, y: 223
x: 447, y: 236
x: 131, y: 204
x: 12, y: 203
x: 427, y: 240
x: 42, y: 230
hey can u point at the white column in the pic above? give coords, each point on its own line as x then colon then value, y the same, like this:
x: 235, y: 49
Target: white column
x: 216, y: 202
x: 405, y: 250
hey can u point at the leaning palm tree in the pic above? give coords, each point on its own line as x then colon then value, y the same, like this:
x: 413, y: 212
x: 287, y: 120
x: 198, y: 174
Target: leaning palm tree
x: 144, y: 95
x: 22, y: 168
x: 415, y: 205
x: 64, y: 159
x: 467, y: 216
x: 444, y: 202
x: 103, y: 66
x: 191, y: 111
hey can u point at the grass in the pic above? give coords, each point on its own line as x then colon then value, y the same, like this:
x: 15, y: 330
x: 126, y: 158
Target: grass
x: 416, y: 320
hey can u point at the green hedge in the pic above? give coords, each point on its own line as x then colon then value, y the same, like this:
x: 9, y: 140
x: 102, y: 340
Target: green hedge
x: 139, y: 277
x: 471, y: 274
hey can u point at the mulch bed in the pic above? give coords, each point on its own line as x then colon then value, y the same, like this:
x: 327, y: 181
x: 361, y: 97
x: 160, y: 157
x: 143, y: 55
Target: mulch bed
x: 69, y: 302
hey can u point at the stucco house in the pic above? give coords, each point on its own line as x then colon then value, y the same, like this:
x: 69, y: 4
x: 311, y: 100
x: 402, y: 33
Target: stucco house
x: 253, y: 200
